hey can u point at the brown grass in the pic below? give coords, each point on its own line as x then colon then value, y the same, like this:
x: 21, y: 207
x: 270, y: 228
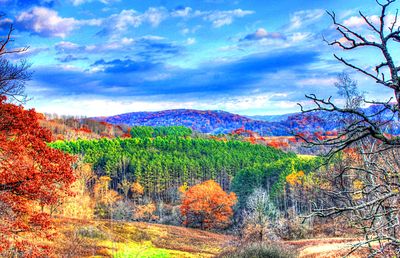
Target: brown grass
x: 183, y: 242
x: 326, y: 247
x: 110, y: 237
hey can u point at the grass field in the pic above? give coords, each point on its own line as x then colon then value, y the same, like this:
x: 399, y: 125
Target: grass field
x: 100, y: 238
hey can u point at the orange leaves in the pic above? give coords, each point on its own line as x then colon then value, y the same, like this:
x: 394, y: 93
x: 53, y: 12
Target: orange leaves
x: 206, y: 205
x: 31, y: 173
x: 145, y: 212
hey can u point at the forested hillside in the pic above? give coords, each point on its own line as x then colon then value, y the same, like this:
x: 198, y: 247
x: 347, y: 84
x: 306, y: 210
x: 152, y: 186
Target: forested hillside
x: 162, y: 164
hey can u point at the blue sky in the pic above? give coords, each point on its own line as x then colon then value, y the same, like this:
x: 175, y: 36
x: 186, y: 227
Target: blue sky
x: 106, y: 57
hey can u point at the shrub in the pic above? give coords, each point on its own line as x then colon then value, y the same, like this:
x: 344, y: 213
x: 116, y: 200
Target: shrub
x: 122, y: 210
x: 292, y: 228
x: 90, y: 232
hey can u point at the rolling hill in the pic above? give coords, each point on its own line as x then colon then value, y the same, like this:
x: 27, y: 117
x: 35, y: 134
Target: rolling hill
x: 219, y: 122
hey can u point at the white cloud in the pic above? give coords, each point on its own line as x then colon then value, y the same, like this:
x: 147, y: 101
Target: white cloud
x: 303, y: 18
x: 98, y: 106
x: 66, y: 46
x: 356, y: 21
x: 46, y: 22
x: 79, y: 2
x: 125, y: 19
x: 183, y: 12
x: 155, y: 16
x: 299, y: 36
x: 190, y: 41
x: 329, y: 81
x: 121, y: 22
x: 261, y: 34
x: 222, y: 18
x: 359, y: 22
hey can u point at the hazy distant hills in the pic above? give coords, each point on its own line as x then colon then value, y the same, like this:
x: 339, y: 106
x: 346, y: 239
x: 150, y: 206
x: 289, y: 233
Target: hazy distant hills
x: 216, y: 121
x: 272, y: 118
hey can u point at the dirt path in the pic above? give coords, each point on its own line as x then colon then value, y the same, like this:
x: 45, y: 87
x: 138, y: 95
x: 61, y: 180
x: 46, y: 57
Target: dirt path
x: 325, y: 247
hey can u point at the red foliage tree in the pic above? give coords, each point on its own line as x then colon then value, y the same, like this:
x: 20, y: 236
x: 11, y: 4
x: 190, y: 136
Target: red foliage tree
x: 206, y: 205
x: 32, y: 175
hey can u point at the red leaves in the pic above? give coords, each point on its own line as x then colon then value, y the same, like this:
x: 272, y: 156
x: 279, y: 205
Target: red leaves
x: 206, y: 205
x: 31, y: 174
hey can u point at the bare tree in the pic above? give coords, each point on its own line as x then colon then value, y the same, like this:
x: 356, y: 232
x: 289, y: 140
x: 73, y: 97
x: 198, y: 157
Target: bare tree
x: 348, y: 88
x: 13, y: 75
x: 365, y: 182
x: 259, y: 216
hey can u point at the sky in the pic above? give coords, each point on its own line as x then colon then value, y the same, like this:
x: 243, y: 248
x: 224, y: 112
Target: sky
x: 250, y: 57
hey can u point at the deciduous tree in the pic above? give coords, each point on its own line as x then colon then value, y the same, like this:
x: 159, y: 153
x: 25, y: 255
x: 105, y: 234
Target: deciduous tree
x: 31, y: 175
x: 206, y: 206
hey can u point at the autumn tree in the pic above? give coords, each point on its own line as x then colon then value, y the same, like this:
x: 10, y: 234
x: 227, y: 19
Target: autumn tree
x: 31, y: 175
x: 105, y: 197
x: 137, y: 191
x: 206, y: 206
x: 80, y: 204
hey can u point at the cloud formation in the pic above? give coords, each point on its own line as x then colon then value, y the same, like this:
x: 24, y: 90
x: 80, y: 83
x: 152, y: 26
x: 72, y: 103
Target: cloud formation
x: 261, y: 33
x: 304, y: 18
x: 222, y: 18
x: 45, y: 22
x: 79, y: 2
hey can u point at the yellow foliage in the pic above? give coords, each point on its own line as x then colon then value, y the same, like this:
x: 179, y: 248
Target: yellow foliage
x: 102, y: 192
x: 358, y: 186
x: 295, y: 178
x: 183, y: 188
x: 137, y: 188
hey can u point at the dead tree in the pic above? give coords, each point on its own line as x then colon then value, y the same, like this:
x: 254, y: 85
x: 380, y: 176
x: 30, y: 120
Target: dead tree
x: 365, y: 182
x: 13, y: 75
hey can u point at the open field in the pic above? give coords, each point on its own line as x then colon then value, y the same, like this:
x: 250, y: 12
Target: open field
x: 101, y: 238
x: 325, y: 247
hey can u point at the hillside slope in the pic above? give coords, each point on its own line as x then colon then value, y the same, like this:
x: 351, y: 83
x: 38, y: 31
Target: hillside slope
x: 101, y: 238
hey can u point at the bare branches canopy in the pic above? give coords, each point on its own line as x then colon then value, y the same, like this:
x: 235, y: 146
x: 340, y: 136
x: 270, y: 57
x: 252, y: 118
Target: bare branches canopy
x: 13, y: 75
x: 384, y: 31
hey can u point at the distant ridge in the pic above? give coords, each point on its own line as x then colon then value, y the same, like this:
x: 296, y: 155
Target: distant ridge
x: 218, y: 121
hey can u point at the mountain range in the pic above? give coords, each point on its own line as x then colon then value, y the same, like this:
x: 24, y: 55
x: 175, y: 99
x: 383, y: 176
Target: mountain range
x: 219, y: 122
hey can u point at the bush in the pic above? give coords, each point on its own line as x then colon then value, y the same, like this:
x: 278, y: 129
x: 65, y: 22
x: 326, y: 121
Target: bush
x: 91, y: 232
x: 172, y: 216
x: 259, y: 250
x: 292, y: 228
x: 122, y: 210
